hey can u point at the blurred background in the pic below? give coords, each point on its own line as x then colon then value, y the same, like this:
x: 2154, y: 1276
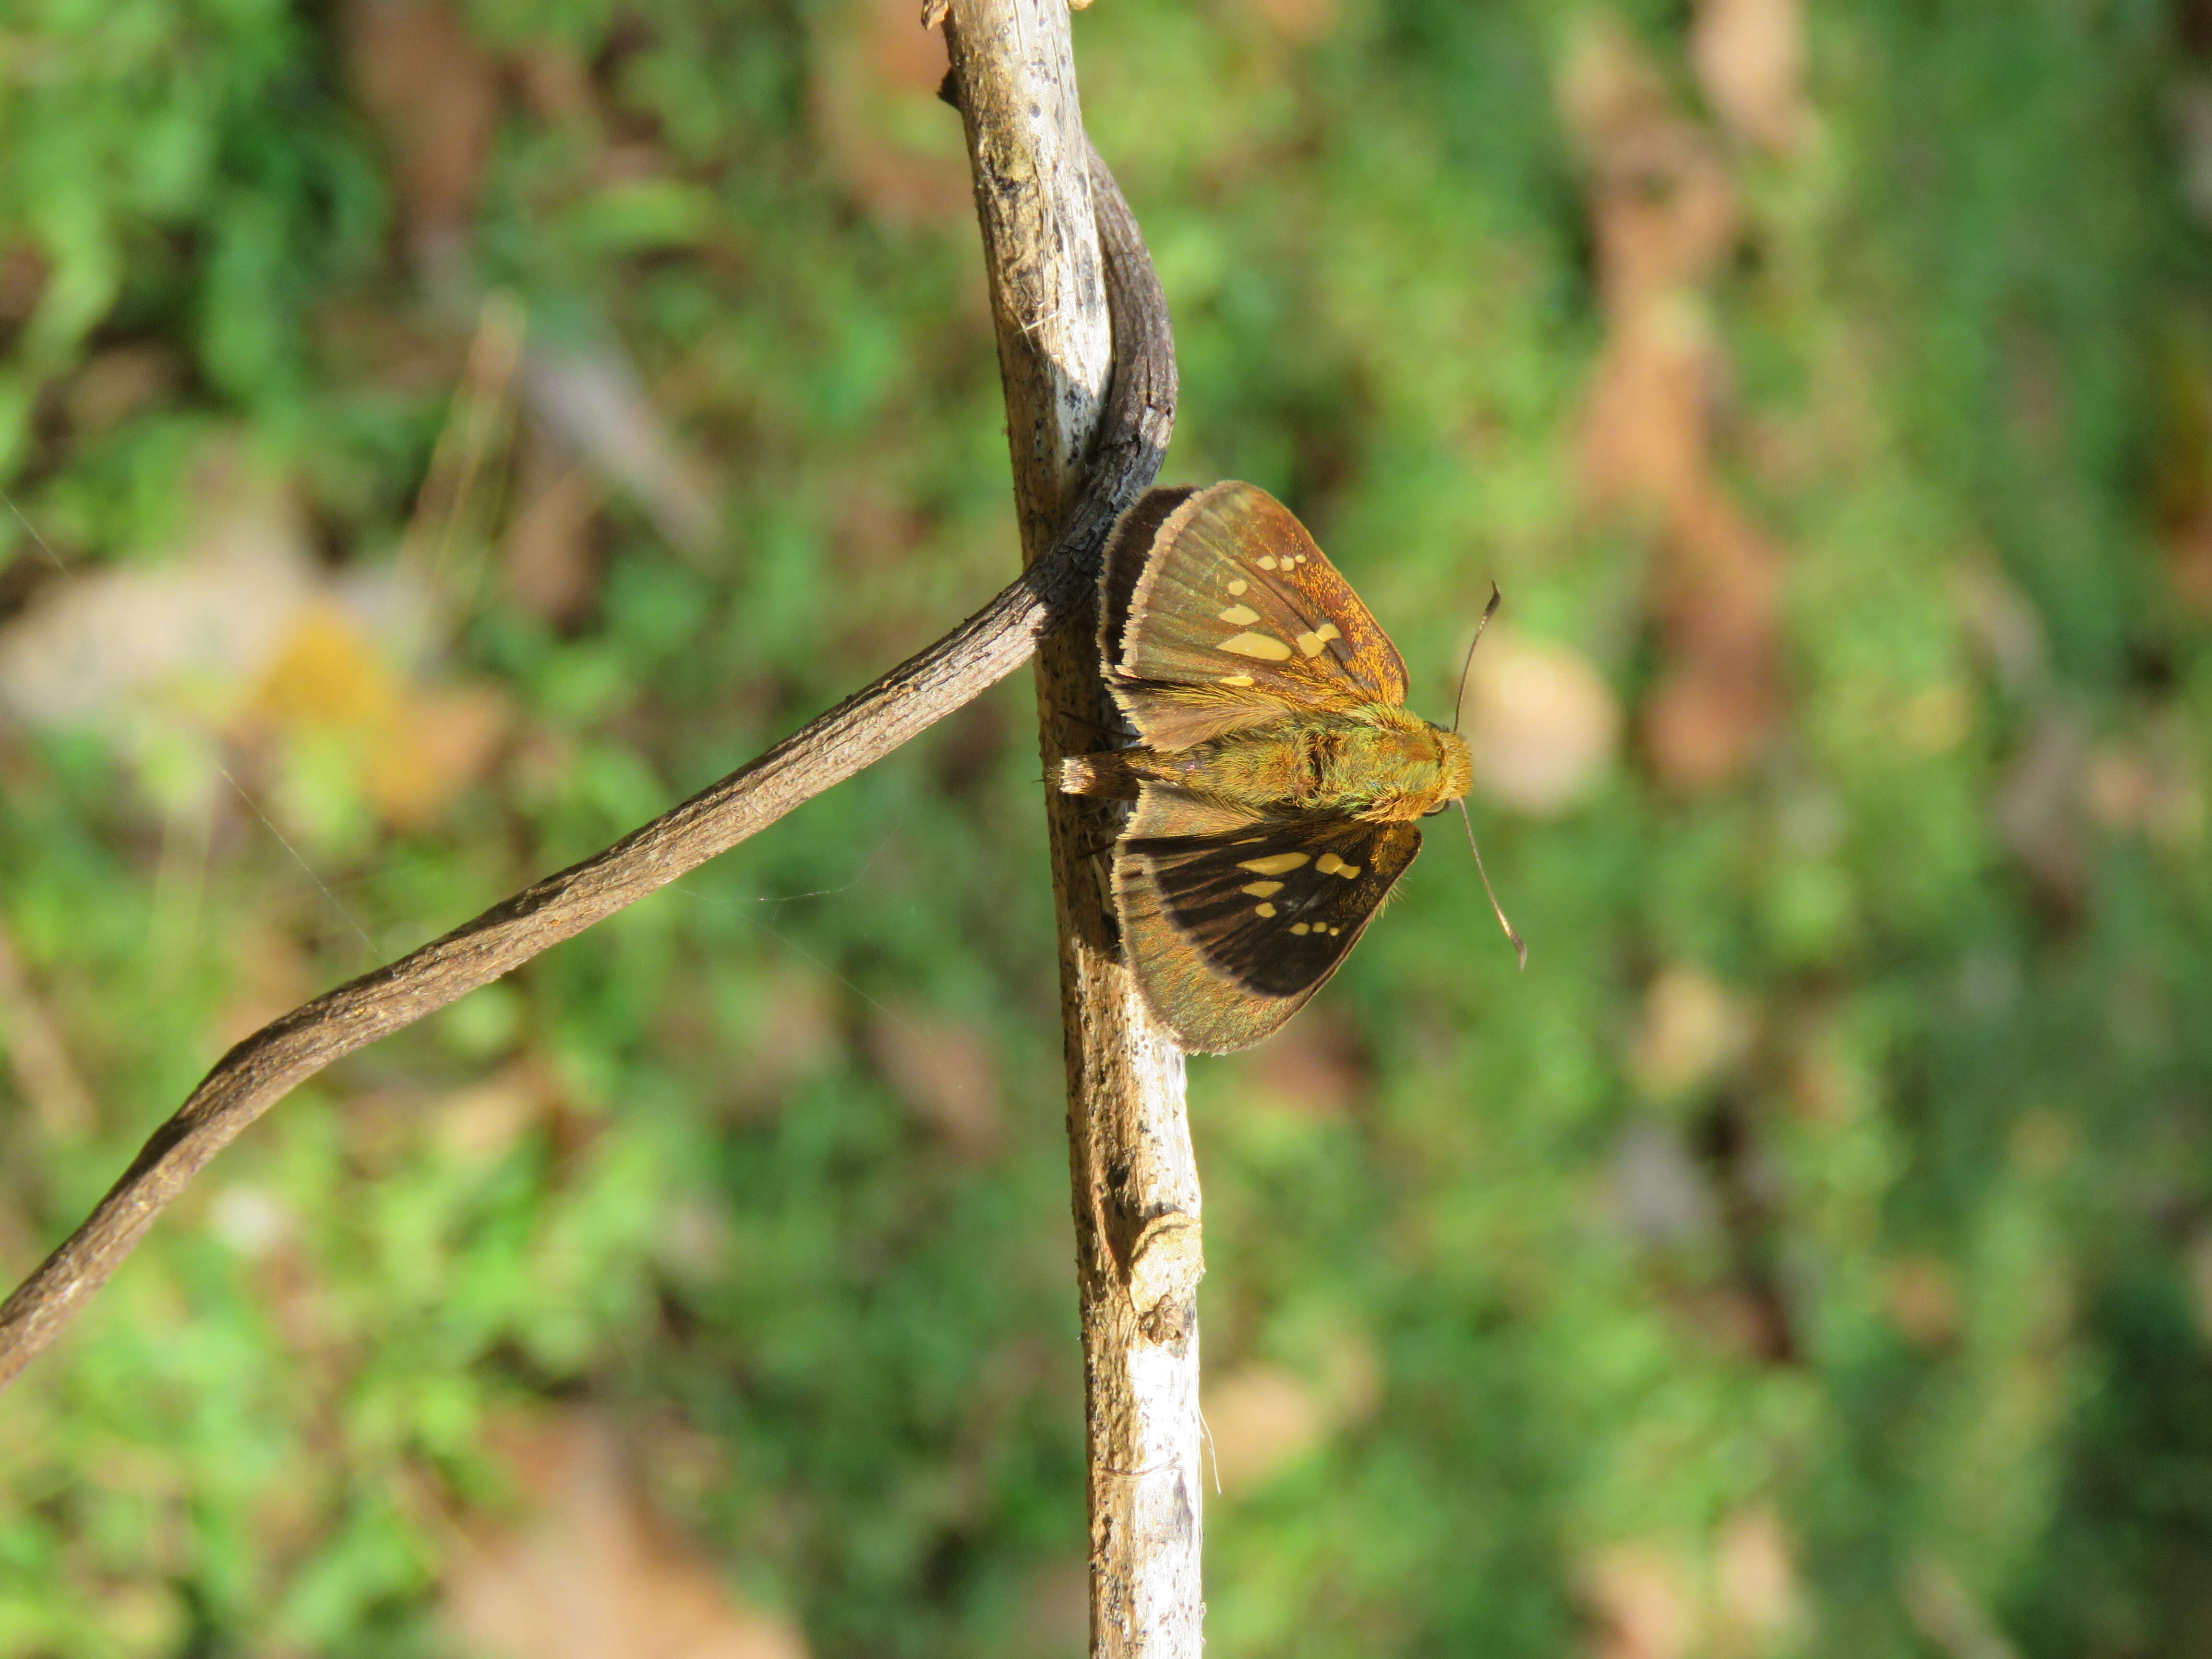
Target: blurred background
x: 438, y: 435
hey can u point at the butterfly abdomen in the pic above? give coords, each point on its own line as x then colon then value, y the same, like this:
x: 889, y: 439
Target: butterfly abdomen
x: 1120, y: 774
x: 1108, y: 775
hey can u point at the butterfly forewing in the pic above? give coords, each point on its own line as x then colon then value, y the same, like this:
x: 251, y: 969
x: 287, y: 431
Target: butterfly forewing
x: 1224, y: 610
x: 1274, y: 908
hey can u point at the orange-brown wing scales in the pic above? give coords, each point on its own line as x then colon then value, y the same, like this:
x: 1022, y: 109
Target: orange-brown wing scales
x: 1273, y: 908
x: 1223, y: 610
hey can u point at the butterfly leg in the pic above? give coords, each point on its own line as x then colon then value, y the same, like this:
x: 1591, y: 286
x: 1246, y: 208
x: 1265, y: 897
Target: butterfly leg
x: 1114, y: 734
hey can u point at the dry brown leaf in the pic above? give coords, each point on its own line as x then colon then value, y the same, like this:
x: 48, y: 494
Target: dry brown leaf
x: 1922, y: 1295
x: 419, y: 748
x: 876, y: 525
x: 555, y: 80
x: 1757, y: 1605
x: 37, y: 1057
x: 1541, y: 721
x: 442, y: 741
x: 2002, y: 622
x: 1692, y: 1030
x: 271, y: 972
x: 1260, y: 1418
x: 432, y: 92
x: 1826, y: 1084
x: 2151, y: 789
x: 1646, y: 439
x: 589, y: 1571
x: 1642, y: 1596
x: 2121, y: 787
x: 1315, y: 1068
x: 2040, y: 810
x: 240, y: 637
x: 947, y: 1076
x: 1301, y: 21
x: 2189, y: 564
x: 1948, y: 1614
x: 2197, y: 1258
x: 1750, y: 59
x: 1665, y: 212
x: 1718, y: 602
x: 589, y: 393
x: 483, y: 1122
x: 23, y: 273
x: 117, y: 383
x: 792, y: 1027
x: 875, y: 113
x: 328, y: 677
x: 187, y: 635
x: 1663, y: 205
x: 1056, y: 1609
x: 1352, y: 1380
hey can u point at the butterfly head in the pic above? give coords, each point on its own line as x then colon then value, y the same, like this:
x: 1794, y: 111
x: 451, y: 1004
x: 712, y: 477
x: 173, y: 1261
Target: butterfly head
x: 1455, y: 766
x: 1406, y: 767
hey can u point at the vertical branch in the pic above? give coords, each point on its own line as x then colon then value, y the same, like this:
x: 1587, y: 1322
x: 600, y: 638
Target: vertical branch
x: 1136, y: 1195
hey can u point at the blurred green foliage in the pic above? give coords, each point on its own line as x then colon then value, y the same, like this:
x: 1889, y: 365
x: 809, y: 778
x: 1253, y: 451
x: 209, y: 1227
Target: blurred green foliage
x: 1812, y: 1253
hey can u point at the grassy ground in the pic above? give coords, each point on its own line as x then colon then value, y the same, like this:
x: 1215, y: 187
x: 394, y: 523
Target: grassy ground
x: 437, y: 438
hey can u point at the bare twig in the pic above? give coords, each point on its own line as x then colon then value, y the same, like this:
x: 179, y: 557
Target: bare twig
x: 1136, y: 1195
x: 1053, y: 591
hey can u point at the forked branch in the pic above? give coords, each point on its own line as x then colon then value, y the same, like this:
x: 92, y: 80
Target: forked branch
x: 1136, y: 1195
x: 1055, y: 590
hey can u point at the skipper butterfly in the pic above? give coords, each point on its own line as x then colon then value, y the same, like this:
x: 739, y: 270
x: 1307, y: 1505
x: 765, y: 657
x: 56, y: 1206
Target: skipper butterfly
x: 1278, y: 773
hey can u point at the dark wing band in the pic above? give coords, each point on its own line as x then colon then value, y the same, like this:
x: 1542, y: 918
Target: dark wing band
x: 1272, y: 908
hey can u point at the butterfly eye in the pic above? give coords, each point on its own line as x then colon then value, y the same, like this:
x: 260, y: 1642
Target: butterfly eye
x: 1438, y: 808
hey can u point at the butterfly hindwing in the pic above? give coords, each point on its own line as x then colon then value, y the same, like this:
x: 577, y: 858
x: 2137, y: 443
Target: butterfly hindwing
x: 1221, y: 613
x: 1267, y: 911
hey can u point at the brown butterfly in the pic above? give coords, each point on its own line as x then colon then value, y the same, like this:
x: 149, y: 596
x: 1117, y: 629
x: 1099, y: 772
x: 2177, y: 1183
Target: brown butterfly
x: 1280, y: 771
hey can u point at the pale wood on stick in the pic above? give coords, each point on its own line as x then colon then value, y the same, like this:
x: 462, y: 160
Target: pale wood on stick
x: 1136, y: 1193
x: 1053, y: 592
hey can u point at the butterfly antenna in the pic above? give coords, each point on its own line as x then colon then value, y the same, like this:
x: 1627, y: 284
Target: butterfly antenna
x: 1498, y: 910
x: 1460, y: 698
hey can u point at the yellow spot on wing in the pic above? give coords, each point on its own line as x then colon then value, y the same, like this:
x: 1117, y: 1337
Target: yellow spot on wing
x: 1275, y: 863
x: 1263, y: 909
x: 1300, y: 928
x: 1261, y: 888
x: 1235, y: 679
x: 1326, y: 631
x: 1265, y: 646
x: 1240, y: 615
x: 1266, y: 561
x: 1328, y: 864
x: 1238, y: 586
